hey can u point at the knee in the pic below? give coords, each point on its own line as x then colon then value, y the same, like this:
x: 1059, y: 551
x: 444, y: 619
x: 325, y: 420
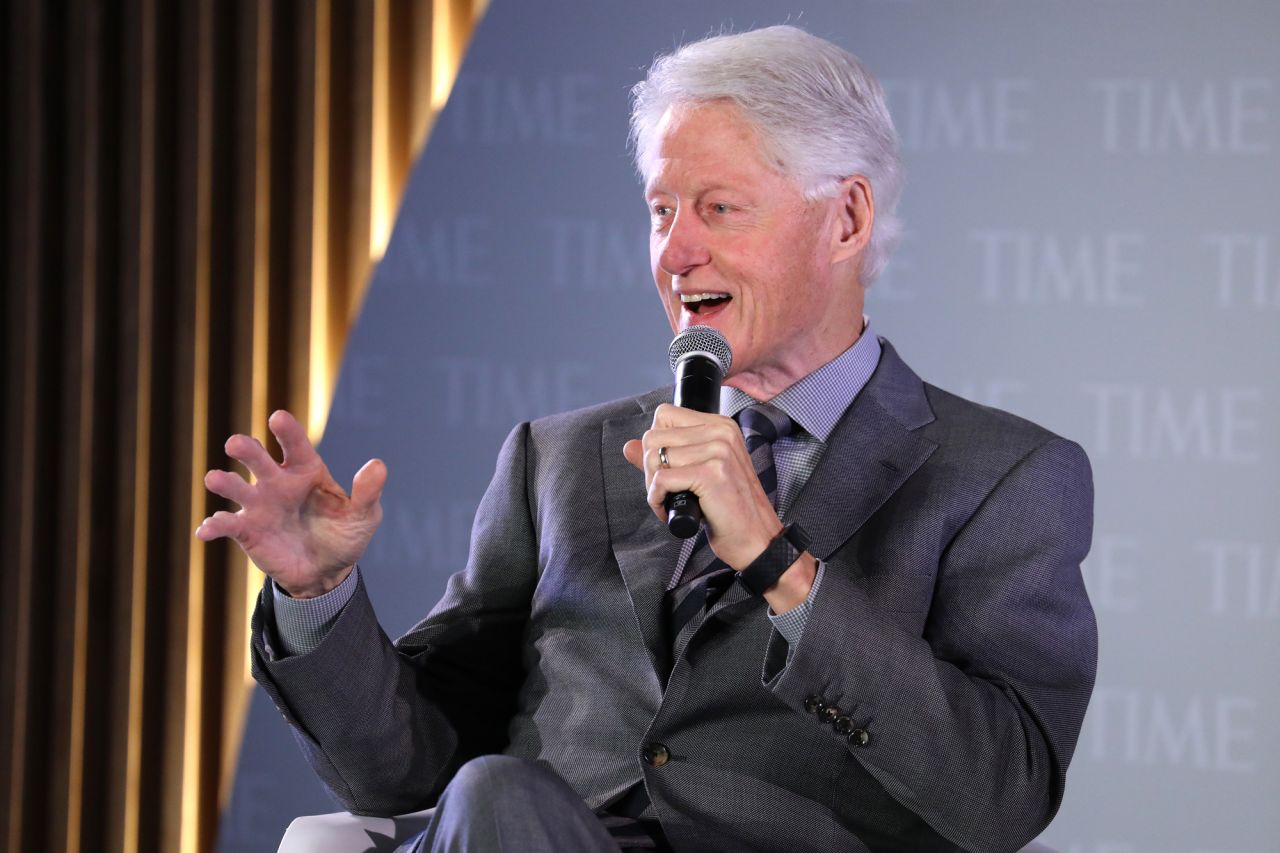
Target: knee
x: 489, y: 778
x: 496, y: 797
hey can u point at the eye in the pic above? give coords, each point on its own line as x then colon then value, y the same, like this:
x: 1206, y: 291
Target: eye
x: 720, y: 208
x: 661, y: 210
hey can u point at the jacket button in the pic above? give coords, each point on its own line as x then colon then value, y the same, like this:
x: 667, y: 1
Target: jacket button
x: 859, y: 737
x: 655, y: 754
x: 844, y: 726
x: 814, y: 705
x: 830, y: 714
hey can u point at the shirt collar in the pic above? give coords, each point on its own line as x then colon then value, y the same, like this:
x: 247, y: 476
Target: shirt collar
x: 817, y: 401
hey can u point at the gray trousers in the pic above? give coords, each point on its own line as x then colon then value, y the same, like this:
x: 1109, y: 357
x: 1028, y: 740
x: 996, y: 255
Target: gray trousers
x: 499, y: 803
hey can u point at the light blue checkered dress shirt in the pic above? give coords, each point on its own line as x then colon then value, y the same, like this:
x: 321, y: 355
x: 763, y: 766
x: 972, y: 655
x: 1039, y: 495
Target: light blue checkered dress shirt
x: 816, y: 403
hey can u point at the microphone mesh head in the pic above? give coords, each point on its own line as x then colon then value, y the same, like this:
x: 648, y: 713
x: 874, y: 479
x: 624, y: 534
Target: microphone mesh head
x: 703, y: 340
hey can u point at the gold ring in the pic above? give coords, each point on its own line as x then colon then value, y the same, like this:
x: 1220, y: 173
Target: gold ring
x: 662, y: 458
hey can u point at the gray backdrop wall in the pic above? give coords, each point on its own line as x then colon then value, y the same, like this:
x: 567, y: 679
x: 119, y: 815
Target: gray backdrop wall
x: 1093, y: 241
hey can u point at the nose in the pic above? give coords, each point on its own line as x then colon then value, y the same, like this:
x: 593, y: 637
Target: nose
x: 684, y: 247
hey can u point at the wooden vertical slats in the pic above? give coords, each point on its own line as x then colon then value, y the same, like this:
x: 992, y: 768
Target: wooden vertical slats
x: 185, y: 42
x: 24, y: 810
x: 82, y: 321
x: 358, y: 169
x: 400, y: 85
x: 10, y: 62
x: 229, y: 368
x: 107, y: 672
x: 49, y: 587
x: 343, y: 186
x: 297, y: 95
x: 380, y: 145
x: 189, y: 198
x: 135, y: 443
x: 322, y: 273
x: 420, y: 110
x: 215, y: 44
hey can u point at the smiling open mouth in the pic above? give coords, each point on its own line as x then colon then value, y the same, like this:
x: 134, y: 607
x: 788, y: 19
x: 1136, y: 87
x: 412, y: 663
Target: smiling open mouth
x: 699, y: 302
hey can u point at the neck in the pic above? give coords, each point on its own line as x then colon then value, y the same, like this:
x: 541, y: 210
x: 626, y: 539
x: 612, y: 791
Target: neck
x: 769, y: 380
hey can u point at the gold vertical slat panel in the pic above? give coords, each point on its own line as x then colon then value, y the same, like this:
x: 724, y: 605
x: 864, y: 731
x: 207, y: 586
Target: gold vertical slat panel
x: 321, y: 373
x: 346, y: 179
x: 301, y: 156
x: 345, y: 231
x: 138, y: 272
x: 234, y: 390
x: 223, y: 283
x: 177, y: 233
x: 11, y: 67
x: 82, y: 325
x: 380, y: 130
x: 195, y: 829
x: 194, y: 197
x: 359, y: 168
x: 320, y: 386
x: 25, y: 217
x: 421, y: 111
x: 45, y: 642
x: 60, y: 358
x: 107, y: 555
x: 257, y: 204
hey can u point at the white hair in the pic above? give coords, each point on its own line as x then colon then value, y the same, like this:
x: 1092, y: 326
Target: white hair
x: 819, y: 113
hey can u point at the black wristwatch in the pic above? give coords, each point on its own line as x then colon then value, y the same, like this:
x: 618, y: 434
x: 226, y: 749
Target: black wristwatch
x: 784, y: 550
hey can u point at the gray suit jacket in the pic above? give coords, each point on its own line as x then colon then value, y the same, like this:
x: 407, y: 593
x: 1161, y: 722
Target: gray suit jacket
x: 951, y: 625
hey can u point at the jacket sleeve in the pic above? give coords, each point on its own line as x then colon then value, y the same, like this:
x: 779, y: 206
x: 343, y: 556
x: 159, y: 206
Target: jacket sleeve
x: 972, y: 724
x: 386, y: 725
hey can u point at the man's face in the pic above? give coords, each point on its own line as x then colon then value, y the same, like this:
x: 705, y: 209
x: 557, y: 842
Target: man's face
x: 726, y: 224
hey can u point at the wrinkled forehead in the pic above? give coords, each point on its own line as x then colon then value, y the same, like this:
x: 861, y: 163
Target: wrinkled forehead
x: 710, y: 138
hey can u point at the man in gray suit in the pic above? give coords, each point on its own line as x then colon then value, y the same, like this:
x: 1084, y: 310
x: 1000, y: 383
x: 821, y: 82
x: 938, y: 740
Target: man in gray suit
x: 880, y: 641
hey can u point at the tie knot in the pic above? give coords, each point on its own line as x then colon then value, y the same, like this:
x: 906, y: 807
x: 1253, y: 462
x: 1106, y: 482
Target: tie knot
x: 764, y: 422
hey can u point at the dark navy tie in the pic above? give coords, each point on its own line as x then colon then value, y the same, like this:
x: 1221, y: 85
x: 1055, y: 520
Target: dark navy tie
x: 701, y: 577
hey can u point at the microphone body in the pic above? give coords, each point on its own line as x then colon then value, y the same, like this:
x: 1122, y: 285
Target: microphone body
x: 700, y: 357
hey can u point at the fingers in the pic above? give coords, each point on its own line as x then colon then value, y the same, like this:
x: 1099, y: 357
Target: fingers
x: 230, y: 486
x: 633, y: 450
x: 699, y: 478
x: 218, y: 525
x: 675, y: 427
x: 668, y: 415
x: 696, y: 440
x: 705, y: 454
x: 366, y: 487
x: 297, y: 448
x: 686, y: 456
x: 689, y: 445
x: 249, y: 451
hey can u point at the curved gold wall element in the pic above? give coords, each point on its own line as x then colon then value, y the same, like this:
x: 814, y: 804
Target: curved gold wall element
x: 195, y: 196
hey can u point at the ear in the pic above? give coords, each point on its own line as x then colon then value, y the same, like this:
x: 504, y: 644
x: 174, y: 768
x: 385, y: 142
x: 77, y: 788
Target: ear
x: 855, y: 215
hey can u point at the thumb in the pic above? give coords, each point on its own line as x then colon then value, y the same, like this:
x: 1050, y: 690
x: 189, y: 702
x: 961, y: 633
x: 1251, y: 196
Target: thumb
x: 634, y: 451
x: 366, y: 488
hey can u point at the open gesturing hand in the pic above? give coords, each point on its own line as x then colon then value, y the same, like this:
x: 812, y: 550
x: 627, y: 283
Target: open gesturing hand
x: 295, y: 522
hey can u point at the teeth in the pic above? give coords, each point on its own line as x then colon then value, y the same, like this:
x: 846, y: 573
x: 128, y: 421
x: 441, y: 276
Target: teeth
x: 698, y: 297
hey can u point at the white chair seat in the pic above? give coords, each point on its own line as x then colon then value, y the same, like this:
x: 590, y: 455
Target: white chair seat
x: 343, y: 832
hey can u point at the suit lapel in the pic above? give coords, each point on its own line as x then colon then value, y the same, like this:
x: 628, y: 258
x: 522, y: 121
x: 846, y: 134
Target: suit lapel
x: 874, y: 449
x: 645, y: 550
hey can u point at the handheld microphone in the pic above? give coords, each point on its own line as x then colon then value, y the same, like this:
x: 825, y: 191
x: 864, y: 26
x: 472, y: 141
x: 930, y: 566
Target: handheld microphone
x: 700, y: 359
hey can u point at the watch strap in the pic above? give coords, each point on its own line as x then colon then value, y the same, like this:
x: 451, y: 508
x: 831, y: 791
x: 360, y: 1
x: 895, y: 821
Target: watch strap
x: 777, y: 557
